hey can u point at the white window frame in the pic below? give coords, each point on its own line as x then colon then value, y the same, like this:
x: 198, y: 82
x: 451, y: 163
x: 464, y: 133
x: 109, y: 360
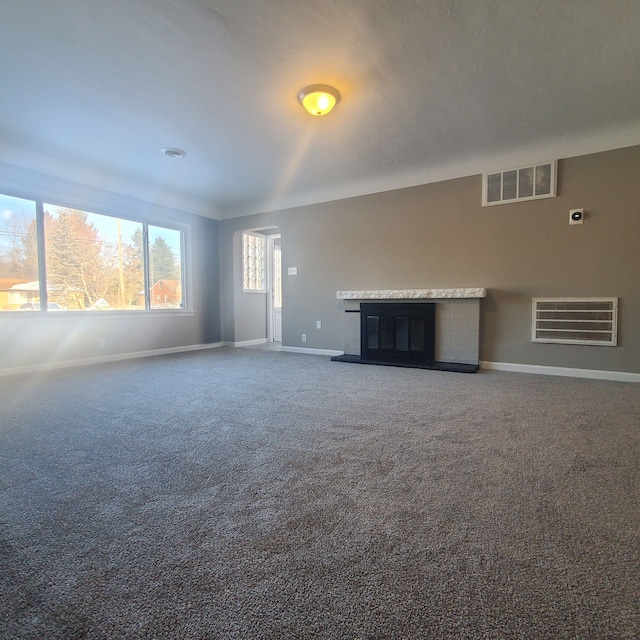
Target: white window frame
x: 263, y: 267
x: 146, y: 222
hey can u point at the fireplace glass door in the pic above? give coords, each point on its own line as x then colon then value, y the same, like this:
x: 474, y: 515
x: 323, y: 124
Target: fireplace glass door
x: 397, y: 332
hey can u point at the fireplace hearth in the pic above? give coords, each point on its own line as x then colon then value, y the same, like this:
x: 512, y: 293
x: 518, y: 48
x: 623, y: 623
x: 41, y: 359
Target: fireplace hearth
x: 399, y: 328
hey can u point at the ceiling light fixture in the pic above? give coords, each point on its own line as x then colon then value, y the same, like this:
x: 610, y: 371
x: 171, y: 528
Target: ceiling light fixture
x: 318, y: 99
x: 173, y: 152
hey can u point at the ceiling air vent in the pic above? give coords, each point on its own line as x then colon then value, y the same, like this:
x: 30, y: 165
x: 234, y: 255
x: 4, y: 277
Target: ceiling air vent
x: 576, y: 320
x: 524, y: 183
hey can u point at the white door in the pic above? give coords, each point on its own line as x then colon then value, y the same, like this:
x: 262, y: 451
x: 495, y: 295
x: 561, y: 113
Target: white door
x: 275, y: 290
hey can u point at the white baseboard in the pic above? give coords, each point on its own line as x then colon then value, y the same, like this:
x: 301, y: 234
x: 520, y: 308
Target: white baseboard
x: 313, y: 352
x: 596, y: 374
x: 81, y: 362
x: 247, y: 343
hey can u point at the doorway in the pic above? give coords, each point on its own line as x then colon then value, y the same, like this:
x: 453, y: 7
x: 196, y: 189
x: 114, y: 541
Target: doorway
x: 274, y: 289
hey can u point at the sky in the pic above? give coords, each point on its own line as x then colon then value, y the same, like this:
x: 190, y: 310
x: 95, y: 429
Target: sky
x: 12, y: 209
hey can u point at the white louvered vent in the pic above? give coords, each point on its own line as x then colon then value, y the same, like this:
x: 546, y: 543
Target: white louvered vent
x: 576, y: 320
x: 524, y: 183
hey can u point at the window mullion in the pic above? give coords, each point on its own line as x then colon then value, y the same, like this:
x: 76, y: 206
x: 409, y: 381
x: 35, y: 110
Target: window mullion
x: 147, y: 268
x: 183, y: 288
x: 42, y: 267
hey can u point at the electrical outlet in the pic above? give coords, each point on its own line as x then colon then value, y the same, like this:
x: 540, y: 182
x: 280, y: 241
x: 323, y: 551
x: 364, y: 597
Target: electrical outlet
x: 102, y: 343
x: 304, y: 337
x: 318, y: 324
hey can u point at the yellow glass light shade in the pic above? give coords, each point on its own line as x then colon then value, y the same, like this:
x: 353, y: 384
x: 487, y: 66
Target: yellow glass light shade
x: 318, y: 99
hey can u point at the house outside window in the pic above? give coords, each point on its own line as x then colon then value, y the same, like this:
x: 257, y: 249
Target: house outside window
x: 92, y: 261
x: 19, y: 268
x: 165, y: 267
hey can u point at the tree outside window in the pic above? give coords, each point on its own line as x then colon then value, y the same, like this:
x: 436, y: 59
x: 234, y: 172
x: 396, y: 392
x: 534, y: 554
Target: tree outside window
x: 92, y: 261
x: 165, y: 276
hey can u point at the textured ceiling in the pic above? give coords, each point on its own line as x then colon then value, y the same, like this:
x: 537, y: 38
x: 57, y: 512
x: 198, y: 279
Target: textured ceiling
x: 431, y: 89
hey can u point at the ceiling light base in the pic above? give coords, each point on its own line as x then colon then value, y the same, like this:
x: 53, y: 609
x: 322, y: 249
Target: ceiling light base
x: 318, y: 99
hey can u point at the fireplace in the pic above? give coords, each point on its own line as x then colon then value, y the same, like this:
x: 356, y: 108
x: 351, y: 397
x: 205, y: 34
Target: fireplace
x: 451, y: 341
x: 397, y: 333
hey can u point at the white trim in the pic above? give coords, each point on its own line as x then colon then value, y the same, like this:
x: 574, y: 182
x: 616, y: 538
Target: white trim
x: 258, y: 236
x: 91, y: 314
x: 248, y: 343
x: 616, y: 376
x: 270, y: 280
x: 596, y: 374
x: 67, y: 364
x: 313, y: 352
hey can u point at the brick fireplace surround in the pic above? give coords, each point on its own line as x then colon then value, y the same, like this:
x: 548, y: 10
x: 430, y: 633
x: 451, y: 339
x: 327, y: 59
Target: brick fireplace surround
x: 457, y: 330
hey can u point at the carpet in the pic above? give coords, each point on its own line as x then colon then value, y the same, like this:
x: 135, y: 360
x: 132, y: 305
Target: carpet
x: 240, y: 493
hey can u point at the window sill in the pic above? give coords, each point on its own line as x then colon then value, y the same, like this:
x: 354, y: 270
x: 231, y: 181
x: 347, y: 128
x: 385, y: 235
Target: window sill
x: 97, y: 314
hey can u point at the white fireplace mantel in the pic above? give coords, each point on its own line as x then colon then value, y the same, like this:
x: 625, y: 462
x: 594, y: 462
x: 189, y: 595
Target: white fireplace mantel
x: 411, y: 294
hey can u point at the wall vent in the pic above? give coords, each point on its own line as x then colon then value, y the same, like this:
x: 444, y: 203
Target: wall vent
x: 576, y: 320
x: 523, y: 183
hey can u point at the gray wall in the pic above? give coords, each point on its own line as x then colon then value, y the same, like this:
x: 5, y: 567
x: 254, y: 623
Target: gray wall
x: 439, y: 235
x: 244, y: 314
x: 211, y: 310
x: 31, y: 339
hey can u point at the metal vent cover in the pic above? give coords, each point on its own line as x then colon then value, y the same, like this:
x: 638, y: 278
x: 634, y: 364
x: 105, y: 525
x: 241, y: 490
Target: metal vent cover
x: 523, y: 183
x: 575, y: 320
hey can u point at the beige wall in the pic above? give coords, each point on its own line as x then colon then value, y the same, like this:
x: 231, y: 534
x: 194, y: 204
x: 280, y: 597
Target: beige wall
x: 430, y: 236
x: 439, y: 235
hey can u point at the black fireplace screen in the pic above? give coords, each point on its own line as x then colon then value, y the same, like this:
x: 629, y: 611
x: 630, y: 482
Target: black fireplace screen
x: 397, y: 332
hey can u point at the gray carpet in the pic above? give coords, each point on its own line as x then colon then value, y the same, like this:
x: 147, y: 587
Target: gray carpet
x: 237, y: 493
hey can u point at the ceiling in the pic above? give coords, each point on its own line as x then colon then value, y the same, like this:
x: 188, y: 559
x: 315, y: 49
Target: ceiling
x: 92, y: 90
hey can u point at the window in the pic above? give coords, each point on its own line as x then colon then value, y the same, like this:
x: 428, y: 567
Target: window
x: 277, y: 277
x: 165, y: 267
x: 91, y: 261
x: 19, y: 274
x: 253, y: 262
